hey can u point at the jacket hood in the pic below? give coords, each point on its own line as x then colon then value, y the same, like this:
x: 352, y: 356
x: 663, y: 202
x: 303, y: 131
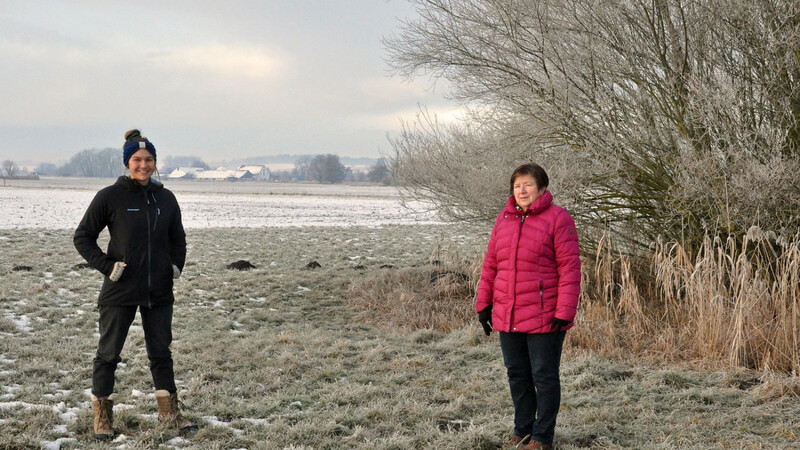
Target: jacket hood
x: 540, y: 204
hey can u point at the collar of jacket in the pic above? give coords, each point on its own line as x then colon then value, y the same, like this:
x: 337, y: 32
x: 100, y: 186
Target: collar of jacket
x: 542, y: 202
x: 134, y: 186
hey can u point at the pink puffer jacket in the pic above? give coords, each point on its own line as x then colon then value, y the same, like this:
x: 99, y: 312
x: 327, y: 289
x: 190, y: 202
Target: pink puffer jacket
x: 532, y: 270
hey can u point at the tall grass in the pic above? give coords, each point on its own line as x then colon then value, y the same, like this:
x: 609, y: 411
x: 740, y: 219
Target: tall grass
x: 733, y: 302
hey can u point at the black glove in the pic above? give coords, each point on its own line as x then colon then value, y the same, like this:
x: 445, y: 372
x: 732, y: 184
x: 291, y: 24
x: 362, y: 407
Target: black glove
x: 485, y: 318
x: 558, y: 324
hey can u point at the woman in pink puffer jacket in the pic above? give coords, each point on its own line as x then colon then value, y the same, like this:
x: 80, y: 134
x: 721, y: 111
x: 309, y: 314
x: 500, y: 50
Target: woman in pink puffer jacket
x: 528, y: 292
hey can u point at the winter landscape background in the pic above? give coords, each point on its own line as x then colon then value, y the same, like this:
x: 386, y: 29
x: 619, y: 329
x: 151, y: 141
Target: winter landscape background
x: 351, y: 354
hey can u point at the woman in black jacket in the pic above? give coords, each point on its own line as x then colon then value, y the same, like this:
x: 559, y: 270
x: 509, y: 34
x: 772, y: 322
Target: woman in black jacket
x: 146, y: 252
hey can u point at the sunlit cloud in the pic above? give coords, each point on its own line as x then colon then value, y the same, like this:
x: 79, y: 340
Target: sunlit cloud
x: 231, y: 60
x: 394, y: 121
x: 396, y: 88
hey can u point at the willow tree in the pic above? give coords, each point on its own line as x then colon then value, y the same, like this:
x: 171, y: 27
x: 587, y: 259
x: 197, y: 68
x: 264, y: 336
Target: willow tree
x: 658, y: 118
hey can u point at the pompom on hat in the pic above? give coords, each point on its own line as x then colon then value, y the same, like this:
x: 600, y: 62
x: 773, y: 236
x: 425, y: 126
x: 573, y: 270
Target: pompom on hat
x: 134, y: 141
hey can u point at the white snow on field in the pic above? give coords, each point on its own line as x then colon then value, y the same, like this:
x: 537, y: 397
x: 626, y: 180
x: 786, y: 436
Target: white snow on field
x: 60, y: 203
x: 22, y: 322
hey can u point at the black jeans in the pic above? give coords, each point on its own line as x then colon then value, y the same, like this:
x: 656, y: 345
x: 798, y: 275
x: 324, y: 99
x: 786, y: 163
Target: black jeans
x: 114, y: 324
x: 532, y: 362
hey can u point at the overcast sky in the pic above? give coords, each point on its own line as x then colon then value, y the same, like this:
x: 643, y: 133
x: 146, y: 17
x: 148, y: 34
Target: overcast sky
x: 215, y: 79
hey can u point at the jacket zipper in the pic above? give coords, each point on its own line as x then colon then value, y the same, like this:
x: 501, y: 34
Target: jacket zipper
x: 149, y: 268
x: 516, y: 251
x: 158, y: 211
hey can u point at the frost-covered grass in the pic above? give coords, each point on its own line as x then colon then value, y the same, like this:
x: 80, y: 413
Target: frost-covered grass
x: 275, y: 358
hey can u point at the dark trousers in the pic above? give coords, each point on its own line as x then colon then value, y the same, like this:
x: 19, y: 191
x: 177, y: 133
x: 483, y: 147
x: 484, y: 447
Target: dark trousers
x: 532, y: 362
x: 114, y: 323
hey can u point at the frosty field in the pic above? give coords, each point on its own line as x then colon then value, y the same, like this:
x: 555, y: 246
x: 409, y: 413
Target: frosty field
x: 56, y: 203
x: 277, y: 357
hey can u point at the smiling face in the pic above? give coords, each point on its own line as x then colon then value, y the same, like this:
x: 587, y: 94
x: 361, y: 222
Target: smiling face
x: 142, y: 165
x: 526, y: 191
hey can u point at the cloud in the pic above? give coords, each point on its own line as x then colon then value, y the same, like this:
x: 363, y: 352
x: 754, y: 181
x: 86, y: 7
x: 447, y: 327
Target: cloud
x: 230, y: 60
x: 395, y: 89
x: 394, y: 120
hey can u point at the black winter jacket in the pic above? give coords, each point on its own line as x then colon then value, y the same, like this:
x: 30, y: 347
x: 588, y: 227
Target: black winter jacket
x: 146, y: 233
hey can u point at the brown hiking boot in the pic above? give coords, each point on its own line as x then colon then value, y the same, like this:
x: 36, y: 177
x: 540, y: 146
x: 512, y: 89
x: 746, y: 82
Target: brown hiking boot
x: 169, y: 413
x: 536, y: 445
x: 513, y: 442
x: 103, y: 417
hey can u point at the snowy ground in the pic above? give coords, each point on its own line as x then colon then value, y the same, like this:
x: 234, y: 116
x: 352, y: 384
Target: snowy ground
x: 58, y: 203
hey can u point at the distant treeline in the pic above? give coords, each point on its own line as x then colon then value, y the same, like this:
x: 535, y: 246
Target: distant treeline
x: 326, y: 168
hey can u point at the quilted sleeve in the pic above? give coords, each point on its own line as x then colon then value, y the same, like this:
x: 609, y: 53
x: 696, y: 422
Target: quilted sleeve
x: 568, y: 263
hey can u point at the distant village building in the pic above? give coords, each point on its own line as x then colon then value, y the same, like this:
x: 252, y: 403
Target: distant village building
x: 260, y: 173
x: 223, y: 174
x: 184, y: 173
x: 243, y: 173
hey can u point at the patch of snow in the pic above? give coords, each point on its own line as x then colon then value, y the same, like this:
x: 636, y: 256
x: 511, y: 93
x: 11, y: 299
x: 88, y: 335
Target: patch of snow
x: 256, y: 421
x: 23, y: 405
x: 214, y: 421
x: 56, y: 445
x: 70, y: 415
x: 22, y: 322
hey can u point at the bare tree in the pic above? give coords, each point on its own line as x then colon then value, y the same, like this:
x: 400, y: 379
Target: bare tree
x: 673, y: 118
x: 301, y: 166
x: 94, y: 163
x: 9, y: 167
x: 379, y: 173
x: 326, y: 169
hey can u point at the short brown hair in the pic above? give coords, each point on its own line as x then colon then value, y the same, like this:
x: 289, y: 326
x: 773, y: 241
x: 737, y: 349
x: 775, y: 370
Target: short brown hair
x: 534, y: 170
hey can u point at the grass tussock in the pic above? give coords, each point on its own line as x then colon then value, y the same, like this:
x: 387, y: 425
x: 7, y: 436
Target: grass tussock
x: 435, y: 296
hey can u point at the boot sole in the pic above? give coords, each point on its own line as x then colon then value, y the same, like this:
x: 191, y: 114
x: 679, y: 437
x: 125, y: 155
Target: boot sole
x: 103, y: 437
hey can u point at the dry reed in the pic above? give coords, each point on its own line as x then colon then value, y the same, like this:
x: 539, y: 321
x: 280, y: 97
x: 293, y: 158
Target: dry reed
x: 732, y: 303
